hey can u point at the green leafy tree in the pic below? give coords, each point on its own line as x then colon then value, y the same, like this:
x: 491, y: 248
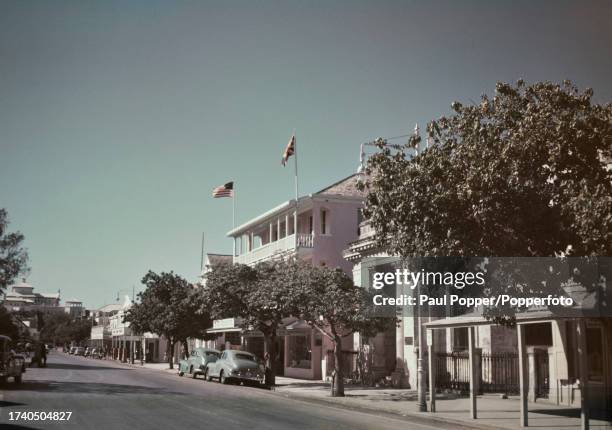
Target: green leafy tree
x: 329, y: 301
x: 520, y: 174
x: 260, y: 296
x: 8, y: 327
x: 13, y: 257
x: 60, y: 328
x: 169, y: 306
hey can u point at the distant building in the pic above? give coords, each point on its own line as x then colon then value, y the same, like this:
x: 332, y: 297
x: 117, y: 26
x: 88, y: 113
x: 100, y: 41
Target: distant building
x: 22, y: 297
x: 74, y: 308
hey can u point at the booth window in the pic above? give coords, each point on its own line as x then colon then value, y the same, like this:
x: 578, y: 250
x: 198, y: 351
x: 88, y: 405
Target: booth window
x: 298, y: 347
x: 595, y: 353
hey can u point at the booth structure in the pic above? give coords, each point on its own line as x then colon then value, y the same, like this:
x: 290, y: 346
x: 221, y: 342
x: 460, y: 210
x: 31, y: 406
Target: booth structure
x: 578, y: 365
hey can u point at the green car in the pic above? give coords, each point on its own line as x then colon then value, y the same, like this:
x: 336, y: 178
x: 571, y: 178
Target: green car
x: 197, y: 363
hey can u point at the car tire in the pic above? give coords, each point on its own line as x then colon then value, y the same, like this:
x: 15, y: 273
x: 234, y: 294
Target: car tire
x: 18, y: 379
x: 194, y: 374
x: 208, y: 377
x: 223, y: 379
x: 181, y: 373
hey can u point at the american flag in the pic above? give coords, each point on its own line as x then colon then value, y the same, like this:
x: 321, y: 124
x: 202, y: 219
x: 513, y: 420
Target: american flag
x: 226, y: 190
x: 289, y: 150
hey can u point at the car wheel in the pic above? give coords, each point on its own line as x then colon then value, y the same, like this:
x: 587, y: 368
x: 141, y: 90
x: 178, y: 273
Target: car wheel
x: 208, y: 377
x: 18, y: 379
x: 223, y: 379
x: 194, y: 374
x: 181, y: 373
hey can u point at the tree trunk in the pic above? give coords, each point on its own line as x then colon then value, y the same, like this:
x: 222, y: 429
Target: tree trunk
x: 270, y: 358
x: 185, y: 349
x: 171, y: 354
x: 337, y: 386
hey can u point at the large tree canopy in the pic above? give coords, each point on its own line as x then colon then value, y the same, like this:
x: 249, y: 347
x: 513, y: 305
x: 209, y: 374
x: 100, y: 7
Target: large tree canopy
x: 329, y: 301
x: 520, y: 174
x: 261, y: 296
x: 171, y: 307
x: 13, y: 257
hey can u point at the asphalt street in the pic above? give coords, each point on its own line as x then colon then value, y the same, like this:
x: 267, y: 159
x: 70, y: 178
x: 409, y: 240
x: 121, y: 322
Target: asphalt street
x: 106, y: 395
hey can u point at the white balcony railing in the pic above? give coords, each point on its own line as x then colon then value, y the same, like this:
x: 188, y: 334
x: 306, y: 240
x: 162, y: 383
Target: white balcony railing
x: 269, y: 250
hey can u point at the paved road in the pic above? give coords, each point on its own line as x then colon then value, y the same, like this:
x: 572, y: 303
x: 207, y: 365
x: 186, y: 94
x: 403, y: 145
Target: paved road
x: 106, y: 395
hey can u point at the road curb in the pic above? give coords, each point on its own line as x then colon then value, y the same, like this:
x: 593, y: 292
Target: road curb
x: 407, y: 415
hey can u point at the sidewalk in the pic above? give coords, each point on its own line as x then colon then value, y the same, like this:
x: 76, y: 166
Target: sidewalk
x: 493, y: 412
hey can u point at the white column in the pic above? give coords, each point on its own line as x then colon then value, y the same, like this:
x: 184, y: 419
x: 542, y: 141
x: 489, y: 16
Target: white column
x: 520, y: 330
x: 583, y: 372
x: 432, y: 370
x: 271, y: 230
x: 473, y: 375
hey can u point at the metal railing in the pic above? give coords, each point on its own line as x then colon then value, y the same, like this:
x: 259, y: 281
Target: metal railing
x: 269, y: 250
x: 499, y: 372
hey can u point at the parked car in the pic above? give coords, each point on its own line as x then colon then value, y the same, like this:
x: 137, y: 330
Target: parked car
x: 79, y: 351
x: 11, y: 364
x: 197, y: 362
x: 236, y: 366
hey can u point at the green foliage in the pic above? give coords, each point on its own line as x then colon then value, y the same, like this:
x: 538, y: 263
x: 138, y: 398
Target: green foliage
x: 8, y: 327
x: 520, y: 174
x: 261, y: 296
x: 13, y: 258
x: 169, y: 306
x: 265, y: 295
x: 60, y: 328
x: 329, y: 301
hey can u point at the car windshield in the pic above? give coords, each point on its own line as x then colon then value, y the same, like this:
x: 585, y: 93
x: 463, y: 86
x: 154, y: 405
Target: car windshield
x: 244, y: 357
x: 211, y: 354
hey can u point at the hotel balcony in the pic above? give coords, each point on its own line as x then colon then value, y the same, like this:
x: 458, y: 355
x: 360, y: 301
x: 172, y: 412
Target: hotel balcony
x: 271, y: 250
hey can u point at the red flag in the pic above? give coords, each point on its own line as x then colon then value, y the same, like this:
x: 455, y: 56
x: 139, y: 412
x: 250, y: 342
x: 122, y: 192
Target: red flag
x: 289, y: 150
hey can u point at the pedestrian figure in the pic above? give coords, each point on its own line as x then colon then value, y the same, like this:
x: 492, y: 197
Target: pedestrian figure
x: 43, y: 355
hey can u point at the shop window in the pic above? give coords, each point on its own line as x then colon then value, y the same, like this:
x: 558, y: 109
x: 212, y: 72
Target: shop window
x: 325, y: 222
x: 595, y: 353
x: 299, y: 352
x: 539, y: 334
x: 460, y: 339
x: 233, y: 338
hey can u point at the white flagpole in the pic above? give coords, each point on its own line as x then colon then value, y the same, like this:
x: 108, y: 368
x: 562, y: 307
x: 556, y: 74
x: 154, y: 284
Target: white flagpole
x: 234, y: 218
x: 295, y: 216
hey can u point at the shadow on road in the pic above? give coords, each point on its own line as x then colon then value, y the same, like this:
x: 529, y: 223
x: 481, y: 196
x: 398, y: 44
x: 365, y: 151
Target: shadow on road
x: 91, y: 388
x: 80, y: 367
x: 16, y: 427
x: 4, y: 404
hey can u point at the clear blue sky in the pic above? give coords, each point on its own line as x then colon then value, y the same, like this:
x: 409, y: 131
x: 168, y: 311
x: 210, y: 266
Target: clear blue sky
x: 118, y: 118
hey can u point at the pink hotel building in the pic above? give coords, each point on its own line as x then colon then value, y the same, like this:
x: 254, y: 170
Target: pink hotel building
x: 327, y: 222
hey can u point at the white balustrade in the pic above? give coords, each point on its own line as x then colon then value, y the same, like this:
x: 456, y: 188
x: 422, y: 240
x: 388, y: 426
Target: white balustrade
x: 267, y: 251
